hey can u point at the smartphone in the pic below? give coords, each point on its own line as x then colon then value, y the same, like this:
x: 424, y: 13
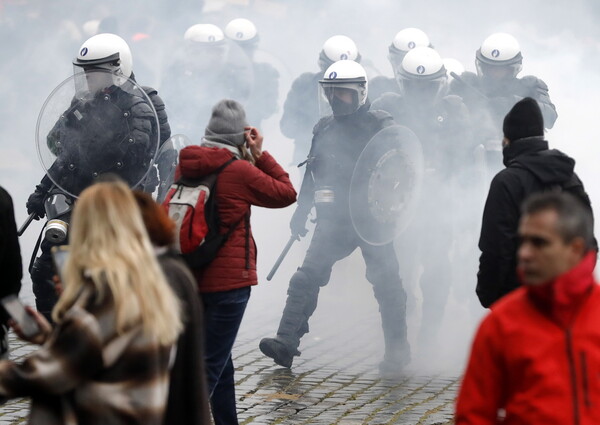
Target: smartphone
x: 17, y: 311
x: 59, y: 258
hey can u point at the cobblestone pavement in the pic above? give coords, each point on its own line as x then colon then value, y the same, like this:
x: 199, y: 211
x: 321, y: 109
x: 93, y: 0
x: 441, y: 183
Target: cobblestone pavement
x: 334, y: 381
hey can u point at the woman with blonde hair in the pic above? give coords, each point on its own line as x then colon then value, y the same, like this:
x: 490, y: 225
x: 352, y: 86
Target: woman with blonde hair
x: 106, y: 361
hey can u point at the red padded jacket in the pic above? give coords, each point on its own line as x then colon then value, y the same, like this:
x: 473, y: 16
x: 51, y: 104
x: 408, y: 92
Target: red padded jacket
x: 239, y: 186
x: 536, y: 356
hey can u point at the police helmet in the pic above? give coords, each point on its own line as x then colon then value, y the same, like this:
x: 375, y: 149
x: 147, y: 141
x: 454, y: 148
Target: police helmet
x: 105, y: 51
x: 345, y: 79
x: 242, y: 31
x: 338, y: 47
x: 422, y: 73
x: 404, y: 41
x: 204, y: 33
x: 499, y: 51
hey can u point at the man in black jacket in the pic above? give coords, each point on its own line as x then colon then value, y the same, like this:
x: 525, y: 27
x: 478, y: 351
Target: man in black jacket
x: 10, y: 261
x: 530, y: 167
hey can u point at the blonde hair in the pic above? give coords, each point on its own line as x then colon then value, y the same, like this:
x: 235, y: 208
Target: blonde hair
x: 110, y: 249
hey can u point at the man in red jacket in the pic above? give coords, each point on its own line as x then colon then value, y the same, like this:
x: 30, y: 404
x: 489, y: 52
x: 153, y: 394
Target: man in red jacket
x: 536, y: 357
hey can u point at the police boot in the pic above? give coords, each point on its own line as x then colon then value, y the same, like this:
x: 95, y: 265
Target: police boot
x: 301, y: 303
x: 278, y: 350
x: 392, y: 307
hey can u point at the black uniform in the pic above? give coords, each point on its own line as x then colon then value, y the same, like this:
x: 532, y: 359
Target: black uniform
x: 262, y: 103
x: 300, y: 112
x: 192, y: 86
x: 112, y: 132
x: 336, y: 146
x: 442, y: 126
x: 489, y: 101
x: 380, y: 85
x: 530, y: 167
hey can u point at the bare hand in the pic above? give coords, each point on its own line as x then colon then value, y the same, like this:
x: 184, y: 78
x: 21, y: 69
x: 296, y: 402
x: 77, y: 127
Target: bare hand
x: 57, y: 285
x: 45, y: 327
x: 254, y: 141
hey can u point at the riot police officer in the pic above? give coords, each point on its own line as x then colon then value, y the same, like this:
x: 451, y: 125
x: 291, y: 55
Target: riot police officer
x: 262, y: 103
x: 338, y: 141
x: 110, y: 126
x: 301, y: 107
x: 442, y: 124
x: 404, y: 41
x: 207, y: 68
x: 493, y: 91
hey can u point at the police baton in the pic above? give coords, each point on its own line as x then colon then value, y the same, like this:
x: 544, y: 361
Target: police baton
x: 289, y: 244
x: 26, y: 224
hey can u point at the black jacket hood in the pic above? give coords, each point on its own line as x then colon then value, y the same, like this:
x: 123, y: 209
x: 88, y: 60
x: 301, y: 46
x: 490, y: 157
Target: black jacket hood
x: 551, y: 166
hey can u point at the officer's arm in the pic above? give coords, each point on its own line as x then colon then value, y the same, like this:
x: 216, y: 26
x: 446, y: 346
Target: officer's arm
x: 539, y: 91
x: 497, y: 241
x: 298, y: 114
x: 161, y: 113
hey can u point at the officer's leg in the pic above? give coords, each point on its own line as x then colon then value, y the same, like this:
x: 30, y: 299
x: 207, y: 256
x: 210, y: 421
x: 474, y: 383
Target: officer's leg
x: 327, y: 246
x: 383, y: 273
x: 42, y: 273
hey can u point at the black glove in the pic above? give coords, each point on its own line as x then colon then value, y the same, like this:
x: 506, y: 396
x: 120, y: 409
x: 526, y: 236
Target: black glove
x: 298, y: 222
x: 35, y: 203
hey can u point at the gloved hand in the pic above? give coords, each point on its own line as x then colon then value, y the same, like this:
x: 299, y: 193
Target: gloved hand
x: 298, y: 222
x: 35, y: 204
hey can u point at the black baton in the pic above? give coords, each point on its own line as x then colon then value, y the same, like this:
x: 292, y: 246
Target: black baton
x: 289, y: 244
x: 26, y: 224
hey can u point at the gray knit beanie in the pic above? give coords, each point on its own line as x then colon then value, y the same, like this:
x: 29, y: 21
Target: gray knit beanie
x: 227, y: 123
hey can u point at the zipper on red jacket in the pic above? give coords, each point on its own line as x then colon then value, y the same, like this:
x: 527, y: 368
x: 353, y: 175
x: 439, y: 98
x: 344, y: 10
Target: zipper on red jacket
x: 573, y: 372
x: 584, y: 378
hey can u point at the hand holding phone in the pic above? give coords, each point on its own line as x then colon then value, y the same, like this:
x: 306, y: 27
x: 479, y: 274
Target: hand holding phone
x: 59, y: 258
x: 16, y: 310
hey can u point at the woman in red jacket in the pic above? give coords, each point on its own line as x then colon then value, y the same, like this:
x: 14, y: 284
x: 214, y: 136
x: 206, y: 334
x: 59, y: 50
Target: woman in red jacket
x: 254, y: 179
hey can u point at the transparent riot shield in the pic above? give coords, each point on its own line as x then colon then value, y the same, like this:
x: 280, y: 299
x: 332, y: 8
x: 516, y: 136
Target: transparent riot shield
x: 386, y: 184
x: 166, y: 163
x: 96, y: 123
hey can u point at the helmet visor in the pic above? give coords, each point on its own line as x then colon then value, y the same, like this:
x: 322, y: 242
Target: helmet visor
x: 94, y: 79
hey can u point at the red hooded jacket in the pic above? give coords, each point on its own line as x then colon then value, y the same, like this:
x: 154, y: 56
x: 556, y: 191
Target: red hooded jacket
x: 239, y: 186
x: 536, y: 356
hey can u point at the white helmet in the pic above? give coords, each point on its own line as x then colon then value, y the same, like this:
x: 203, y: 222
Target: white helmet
x: 404, y: 41
x: 351, y: 78
x: 499, y: 50
x: 338, y: 47
x: 422, y: 73
x: 204, y: 33
x: 242, y: 31
x: 106, y: 51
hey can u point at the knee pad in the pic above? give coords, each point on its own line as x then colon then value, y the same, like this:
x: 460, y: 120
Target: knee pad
x: 302, y: 282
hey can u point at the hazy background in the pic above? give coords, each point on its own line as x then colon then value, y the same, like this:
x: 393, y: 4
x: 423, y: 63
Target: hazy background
x: 559, y: 42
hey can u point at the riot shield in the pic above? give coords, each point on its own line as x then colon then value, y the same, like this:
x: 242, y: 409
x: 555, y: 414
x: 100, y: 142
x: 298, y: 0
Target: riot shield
x: 96, y: 123
x: 386, y: 184
x: 166, y: 162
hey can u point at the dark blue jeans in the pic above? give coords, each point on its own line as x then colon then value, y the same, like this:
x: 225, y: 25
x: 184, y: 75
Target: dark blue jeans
x: 223, y: 312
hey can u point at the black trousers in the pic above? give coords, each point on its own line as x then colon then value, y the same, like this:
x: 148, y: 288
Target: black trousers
x: 332, y: 241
